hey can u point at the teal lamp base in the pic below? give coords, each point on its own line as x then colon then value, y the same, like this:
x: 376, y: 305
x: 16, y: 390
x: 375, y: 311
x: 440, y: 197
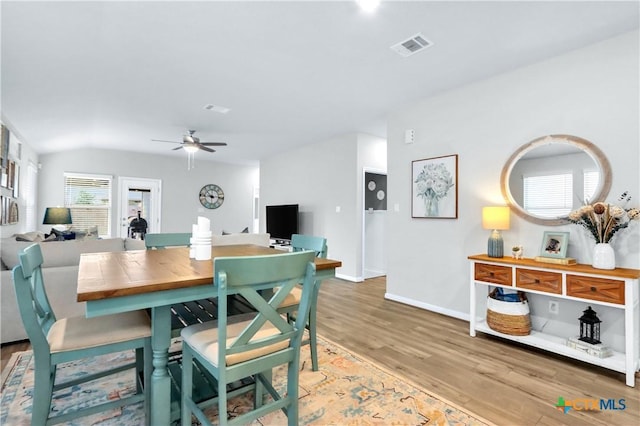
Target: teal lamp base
x: 495, y: 246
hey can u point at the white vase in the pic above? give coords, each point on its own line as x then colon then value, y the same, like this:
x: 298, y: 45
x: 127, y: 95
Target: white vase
x: 603, y: 256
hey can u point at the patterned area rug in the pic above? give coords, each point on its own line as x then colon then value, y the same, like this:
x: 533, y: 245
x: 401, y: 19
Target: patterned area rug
x: 348, y: 390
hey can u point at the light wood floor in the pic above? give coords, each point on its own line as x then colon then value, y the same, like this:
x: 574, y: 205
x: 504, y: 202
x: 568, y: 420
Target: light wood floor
x: 506, y: 383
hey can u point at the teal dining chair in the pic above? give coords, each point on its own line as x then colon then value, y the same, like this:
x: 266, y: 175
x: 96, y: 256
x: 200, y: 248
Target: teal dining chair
x: 186, y: 313
x: 236, y: 348
x: 290, y: 305
x: 59, y: 340
x: 167, y: 239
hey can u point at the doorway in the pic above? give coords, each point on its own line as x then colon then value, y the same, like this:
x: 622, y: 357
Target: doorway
x: 139, y: 198
x: 374, y: 256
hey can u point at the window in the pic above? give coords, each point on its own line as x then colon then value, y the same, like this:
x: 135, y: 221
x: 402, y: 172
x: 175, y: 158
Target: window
x: 548, y: 195
x: 89, y: 197
x: 591, y: 178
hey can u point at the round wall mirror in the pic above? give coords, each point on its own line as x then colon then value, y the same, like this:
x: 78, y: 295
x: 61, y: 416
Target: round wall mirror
x: 551, y: 176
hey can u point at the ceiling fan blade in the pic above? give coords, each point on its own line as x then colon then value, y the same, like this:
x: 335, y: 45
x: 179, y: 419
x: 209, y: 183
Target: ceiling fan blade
x: 213, y: 143
x: 204, y: 148
x: 177, y: 148
x: 158, y: 140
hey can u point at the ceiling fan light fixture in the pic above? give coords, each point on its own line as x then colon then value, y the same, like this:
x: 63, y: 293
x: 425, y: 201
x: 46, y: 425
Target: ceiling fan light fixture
x: 190, y: 148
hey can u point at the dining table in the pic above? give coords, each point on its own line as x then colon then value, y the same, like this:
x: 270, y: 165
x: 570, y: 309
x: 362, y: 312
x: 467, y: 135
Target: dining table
x: 115, y: 282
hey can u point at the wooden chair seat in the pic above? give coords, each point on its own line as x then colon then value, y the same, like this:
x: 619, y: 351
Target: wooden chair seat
x: 74, y: 333
x: 55, y: 341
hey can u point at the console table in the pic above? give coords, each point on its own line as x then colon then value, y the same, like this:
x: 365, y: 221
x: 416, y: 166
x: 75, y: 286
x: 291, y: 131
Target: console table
x: 617, y: 288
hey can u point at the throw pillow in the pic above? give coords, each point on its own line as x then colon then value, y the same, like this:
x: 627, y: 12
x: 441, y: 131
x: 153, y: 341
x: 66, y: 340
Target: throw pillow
x: 30, y: 236
x: 244, y: 231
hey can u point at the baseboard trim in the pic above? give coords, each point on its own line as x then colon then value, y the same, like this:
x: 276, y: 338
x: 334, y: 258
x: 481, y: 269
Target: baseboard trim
x: 428, y: 307
x: 350, y: 278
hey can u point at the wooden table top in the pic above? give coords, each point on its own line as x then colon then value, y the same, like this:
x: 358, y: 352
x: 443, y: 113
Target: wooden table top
x: 126, y: 273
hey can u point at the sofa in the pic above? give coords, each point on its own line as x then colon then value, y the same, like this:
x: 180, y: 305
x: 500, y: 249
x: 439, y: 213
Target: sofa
x: 60, y: 272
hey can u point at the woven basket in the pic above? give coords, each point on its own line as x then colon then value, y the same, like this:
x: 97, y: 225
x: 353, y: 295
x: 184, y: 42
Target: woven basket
x: 509, y: 317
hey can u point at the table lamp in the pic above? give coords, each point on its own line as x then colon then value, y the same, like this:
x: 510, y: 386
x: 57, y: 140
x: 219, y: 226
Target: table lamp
x: 57, y: 216
x: 497, y: 219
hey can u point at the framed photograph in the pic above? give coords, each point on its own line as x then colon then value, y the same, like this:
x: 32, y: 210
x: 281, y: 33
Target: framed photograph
x: 16, y: 180
x: 4, y: 145
x: 554, y: 244
x: 434, y: 188
x: 11, y: 174
x: 4, y: 216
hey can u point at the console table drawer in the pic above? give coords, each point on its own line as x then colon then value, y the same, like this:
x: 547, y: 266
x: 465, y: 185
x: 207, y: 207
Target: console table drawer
x: 601, y: 289
x: 493, y: 273
x: 550, y: 282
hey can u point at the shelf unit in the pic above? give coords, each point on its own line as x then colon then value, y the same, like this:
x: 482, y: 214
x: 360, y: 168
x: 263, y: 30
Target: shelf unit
x: 617, y: 288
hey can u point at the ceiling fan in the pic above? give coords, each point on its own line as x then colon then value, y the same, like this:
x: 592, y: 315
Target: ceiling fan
x: 192, y: 143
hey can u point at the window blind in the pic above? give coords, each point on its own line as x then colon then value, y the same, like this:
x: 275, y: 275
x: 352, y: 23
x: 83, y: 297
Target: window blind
x: 548, y: 195
x: 89, y: 198
x: 591, y: 178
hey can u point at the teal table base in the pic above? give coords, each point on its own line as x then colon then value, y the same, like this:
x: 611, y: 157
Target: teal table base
x: 160, y: 304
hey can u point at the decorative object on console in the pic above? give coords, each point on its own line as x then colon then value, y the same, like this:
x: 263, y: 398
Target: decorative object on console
x: 554, y: 244
x: 599, y: 350
x: 590, y: 327
x: 517, y: 252
x: 435, y: 188
x: 603, y: 220
x: 508, y: 313
x: 556, y: 260
x: 495, y: 218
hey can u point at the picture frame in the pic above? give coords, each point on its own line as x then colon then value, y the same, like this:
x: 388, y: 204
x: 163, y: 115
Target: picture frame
x: 554, y: 244
x: 434, y: 188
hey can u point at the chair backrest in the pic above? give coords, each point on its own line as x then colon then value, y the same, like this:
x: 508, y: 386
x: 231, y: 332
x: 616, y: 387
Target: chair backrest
x: 248, y: 275
x: 307, y: 242
x: 162, y: 240
x: 240, y: 238
x: 33, y: 303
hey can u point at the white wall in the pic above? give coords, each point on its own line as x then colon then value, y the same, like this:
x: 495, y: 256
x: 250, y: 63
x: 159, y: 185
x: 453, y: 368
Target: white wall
x: 180, y: 187
x: 591, y: 93
x: 321, y: 178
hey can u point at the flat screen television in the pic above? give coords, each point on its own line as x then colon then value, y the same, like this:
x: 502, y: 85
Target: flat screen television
x: 282, y: 222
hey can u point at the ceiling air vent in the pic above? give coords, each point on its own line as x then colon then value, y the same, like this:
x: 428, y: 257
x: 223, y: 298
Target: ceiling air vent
x: 411, y: 45
x: 216, y: 108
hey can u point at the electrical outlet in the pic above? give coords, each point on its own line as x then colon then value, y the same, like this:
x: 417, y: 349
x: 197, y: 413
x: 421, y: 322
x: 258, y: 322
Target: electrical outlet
x: 554, y: 307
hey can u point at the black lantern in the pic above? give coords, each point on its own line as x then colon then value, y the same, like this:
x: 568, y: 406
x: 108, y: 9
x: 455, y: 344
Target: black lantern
x: 590, y: 327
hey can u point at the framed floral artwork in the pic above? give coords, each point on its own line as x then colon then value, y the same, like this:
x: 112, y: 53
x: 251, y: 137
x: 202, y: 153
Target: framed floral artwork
x: 554, y: 244
x: 434, y: 193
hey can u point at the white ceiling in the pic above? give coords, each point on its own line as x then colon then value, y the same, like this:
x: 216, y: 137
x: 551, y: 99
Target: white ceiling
x: 118, y: 74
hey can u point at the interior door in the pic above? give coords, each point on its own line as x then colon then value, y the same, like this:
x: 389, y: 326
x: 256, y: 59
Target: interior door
x: 139, y: 197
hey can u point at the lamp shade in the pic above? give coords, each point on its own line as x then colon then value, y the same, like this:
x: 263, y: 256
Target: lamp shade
x: 57, y: 216
x: 496, y: 217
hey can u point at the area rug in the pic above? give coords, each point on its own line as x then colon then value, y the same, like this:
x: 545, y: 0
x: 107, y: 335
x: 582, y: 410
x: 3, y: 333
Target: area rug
x: 347, y: 390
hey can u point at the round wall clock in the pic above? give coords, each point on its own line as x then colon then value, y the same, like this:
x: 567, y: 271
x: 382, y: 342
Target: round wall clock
x: 211, y: 196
